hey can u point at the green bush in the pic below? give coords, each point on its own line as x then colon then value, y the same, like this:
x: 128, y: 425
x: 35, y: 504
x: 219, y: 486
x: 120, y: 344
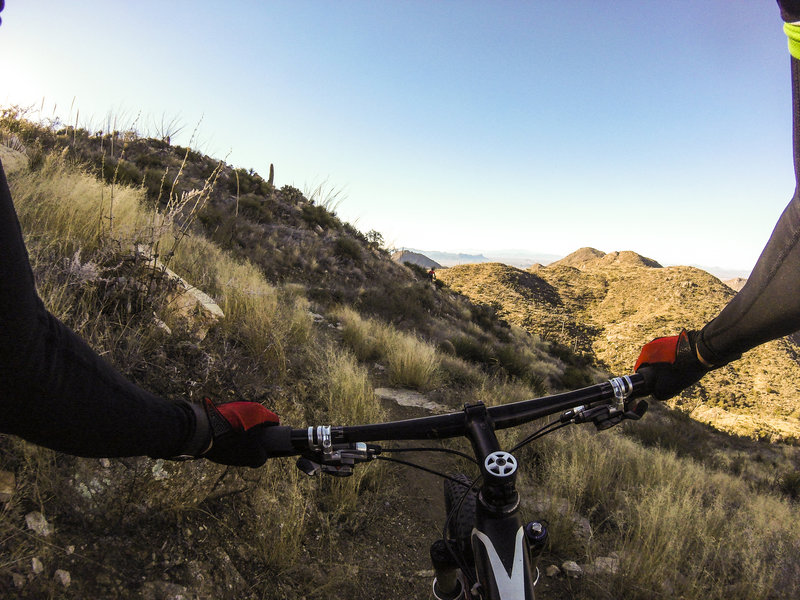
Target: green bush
x: 318, y: 215
x: 346, y: 247
x: 473, y: 350
x: 575, y: 378
x: 256, y: 208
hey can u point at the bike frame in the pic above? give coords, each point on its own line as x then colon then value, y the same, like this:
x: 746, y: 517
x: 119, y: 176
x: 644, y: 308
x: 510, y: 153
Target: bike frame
x: 500, y: 544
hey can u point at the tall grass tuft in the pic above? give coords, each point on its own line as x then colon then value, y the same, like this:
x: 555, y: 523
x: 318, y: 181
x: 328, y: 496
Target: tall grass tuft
x: 410, y: 361
x: 347, y: 397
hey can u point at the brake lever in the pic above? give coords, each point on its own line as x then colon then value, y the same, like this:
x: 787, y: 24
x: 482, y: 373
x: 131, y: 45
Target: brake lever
x: 337, y: 461
x: 614, y: 416
x: 605, y: 416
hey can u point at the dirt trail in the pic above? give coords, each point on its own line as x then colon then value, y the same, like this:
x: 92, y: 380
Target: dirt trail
x: 395, y: 559
x: 393, y: 553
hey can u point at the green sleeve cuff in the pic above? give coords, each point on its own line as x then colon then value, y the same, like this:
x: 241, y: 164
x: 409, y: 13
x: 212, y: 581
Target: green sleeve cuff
x: 793, y: 33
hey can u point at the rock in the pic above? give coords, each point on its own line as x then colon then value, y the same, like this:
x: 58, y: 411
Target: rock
x: 36, y: 566
x: 552, y: 571
x: 19, y: 580
x: 159, y: 473
x: 572, y: 569
x: 61, y: 576
x: 405, y: 397
x: 36, y: 521
x: 188, y: 302
x: 582, y: 528
x: 7, y: 484
x: 606, y: 565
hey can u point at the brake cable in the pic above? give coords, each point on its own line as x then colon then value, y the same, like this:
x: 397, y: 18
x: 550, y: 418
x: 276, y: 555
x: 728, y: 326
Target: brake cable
x: 546, y: 429
x: 438, y: 449
x: 416, y: 466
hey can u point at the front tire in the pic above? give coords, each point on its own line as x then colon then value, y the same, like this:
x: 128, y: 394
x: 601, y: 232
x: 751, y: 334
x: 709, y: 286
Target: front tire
x: 460, y: 513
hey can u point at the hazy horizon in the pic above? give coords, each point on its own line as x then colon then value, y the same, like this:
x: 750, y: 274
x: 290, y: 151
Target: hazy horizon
x: 510, y: 124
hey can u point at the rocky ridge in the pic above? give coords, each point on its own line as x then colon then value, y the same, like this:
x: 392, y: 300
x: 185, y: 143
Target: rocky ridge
x: 609, y: 305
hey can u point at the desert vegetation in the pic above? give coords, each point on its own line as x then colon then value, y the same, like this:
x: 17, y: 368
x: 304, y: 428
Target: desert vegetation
x: 316, y: 317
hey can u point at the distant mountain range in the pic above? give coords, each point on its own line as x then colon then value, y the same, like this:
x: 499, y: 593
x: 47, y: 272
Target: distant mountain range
x: 523, y: 259
x: 515, y: 258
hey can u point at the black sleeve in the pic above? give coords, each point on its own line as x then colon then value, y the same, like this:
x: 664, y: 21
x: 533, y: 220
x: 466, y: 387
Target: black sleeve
x: 55, y: 390
x: 768, y: 307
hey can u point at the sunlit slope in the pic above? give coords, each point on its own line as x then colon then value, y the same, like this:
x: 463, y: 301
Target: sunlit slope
x: 609, y: 305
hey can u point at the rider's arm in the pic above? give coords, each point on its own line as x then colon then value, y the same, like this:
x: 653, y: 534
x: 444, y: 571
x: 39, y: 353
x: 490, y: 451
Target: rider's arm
x: 57, y: 392
x: 768, y: 307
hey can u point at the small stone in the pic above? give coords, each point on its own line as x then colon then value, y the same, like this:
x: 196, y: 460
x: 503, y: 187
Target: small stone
x: 36, y: 565
x: 105, y: 463
x: 607, y: 565
x: 70, y: 549
x: 159, y: 472
x: 19, y: 580
x: 572, y: 569
x: 7, y: 483
x: 62, y: 577
x: 552, y: 571
x: 38, y: 523
x: 582, y: 528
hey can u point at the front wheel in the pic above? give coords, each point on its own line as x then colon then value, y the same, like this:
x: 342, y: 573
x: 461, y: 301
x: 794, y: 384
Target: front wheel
x: 460, y: 501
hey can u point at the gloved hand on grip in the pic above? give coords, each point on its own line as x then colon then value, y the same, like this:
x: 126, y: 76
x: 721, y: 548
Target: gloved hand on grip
x: 236, y: 433
x: 672, y: 364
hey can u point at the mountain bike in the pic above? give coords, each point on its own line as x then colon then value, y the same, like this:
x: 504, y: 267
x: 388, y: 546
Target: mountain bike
x: 486, y: 552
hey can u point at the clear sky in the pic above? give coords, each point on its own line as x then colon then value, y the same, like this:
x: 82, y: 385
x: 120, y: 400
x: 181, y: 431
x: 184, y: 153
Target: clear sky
x: 660, y: 127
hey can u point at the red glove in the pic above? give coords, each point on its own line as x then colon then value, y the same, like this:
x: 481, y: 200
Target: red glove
x: 236, y: 433
x: 671, y: 364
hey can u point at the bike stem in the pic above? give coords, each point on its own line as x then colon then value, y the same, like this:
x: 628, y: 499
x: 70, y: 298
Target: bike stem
x: 500, y: 546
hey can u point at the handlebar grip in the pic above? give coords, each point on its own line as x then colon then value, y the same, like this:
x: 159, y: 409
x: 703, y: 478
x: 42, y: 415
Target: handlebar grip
x: 649, y: 376
x: 277, y: 441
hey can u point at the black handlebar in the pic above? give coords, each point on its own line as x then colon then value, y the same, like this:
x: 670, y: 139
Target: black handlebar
x: 285, y: 441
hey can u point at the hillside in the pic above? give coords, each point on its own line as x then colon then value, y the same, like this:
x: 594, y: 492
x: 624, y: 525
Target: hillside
x: 314, y: 320
x: 609, y: 305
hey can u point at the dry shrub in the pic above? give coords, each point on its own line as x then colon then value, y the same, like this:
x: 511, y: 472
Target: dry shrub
x: 362, y: 336
x: 279, y: 506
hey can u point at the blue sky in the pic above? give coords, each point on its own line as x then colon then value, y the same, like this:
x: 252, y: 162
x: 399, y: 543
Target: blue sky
x: 659, y: 127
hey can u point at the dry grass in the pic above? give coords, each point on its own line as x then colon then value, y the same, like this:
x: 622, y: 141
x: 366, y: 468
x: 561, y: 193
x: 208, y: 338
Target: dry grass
x: 411, y: 362
x: 347, y: 398
x: 682, y: 530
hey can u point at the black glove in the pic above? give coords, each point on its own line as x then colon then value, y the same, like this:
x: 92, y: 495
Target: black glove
x: 230, y: 434
x: 671, y: 364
